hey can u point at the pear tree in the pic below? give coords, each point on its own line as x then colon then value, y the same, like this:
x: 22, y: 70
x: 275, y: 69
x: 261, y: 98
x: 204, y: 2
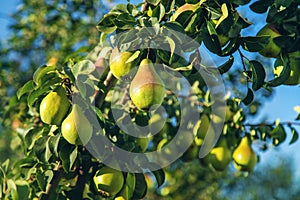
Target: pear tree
x: 99, y: 123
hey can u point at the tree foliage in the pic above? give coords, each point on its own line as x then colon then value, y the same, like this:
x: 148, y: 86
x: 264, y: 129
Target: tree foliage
x: 170, y: 34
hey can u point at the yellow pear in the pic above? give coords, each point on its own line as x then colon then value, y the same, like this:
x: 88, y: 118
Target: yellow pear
x: 108, y: 181
x: 220, y: 156
x: 76, y: 128
x: 118, y: 63
x: 272, y: 49
x: 146, y: 88
x: 54, y: 106
x: 243, y: 156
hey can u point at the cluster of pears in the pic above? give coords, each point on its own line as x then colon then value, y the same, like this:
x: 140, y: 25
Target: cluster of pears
x: 54, y: 110
x: 114, y: 184
x: 146, y: 89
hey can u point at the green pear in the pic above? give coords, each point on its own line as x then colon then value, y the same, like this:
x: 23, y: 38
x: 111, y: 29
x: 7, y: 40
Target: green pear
x: 76, y: 124
x: 243, y: 156
x: 54, y: 106
x: 108, y: 181
x: 142, y: 143
x: 220, y: 156
x: 272, y: 49
x: 146, y: 88
x: 118, y: 63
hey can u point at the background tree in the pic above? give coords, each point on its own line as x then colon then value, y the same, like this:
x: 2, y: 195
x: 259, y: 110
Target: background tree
x: 57, y: 167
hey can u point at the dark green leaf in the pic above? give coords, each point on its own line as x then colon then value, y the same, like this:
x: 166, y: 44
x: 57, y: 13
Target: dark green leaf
x: 283, y: 76
x: 240, y: 2
x: 249, y: 97
x: 67, y: 154
x: 106, y: 24
x: 295, y: 135
x: 159, y: 12
x: 258, y: 74
x: 160, y: 177
x: 27, y: 87
x: 255, y: 44
x: 261, y: 6
x: 140, y: 186
x: 233, y: 46
x: 41, y: 72
x: 226, y: 66
x: 278, y: 135
x: 154, y: 2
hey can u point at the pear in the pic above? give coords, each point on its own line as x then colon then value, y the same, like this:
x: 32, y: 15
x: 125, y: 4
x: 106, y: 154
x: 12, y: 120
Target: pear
x: 54, y: 106
x: 74, y: 124
x: 118, y: 63
x: 146, y: 88
x: 220, y: 156
x: 272, y: 49
x: 243, y: 156
x: 108, y: 181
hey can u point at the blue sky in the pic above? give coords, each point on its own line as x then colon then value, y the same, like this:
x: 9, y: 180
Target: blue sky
x: 280, y: 106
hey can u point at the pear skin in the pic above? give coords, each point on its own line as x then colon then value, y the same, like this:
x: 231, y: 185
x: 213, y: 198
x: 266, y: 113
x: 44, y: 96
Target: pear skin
x: 243, y: 156
x: 54, y: 106
x: 272, y: 50
x: 74, y: 124
x: 146, y: 88
x: 118, y: 63
x: 108, y: 181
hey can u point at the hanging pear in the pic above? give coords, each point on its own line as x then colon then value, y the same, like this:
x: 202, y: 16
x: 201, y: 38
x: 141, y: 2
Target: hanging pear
x: 220, y: 156
x: 76, y: 124
x: 118, y: 63
x: 108, y: 181
x: 243, y: 156
x: 54, y: 106
x: 146, y: 88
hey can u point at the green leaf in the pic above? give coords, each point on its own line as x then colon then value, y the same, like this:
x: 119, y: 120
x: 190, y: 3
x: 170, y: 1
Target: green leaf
x: 295, y: 135
x: 23, y: 189
x: 159, y: 12
x: 41, y: 72
x: 278, y: 135
x: 154, y: 2
x: 40, y: 148
x: 226, y: 66
x: 258, y: 74
x: 249, y: 97
x: 233, y: 46
x: 67, y: 154
x: 255, y: 44
x: 83, y: 67
x: 106, y: 24
x: 284, y: 74
x: 133, y: 57
x: 172, y: 47
x: 240, y: 2
x: 261, y: 6
x: 140, y: 186
x: 160, y: 177
x: 27, y: 87
x: 34, y: 96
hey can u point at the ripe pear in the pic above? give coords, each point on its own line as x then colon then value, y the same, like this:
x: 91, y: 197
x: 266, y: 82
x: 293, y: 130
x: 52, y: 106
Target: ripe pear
x: 76, y: 124
x: 54, y: 106
x: 118, y: 63
x: 272, y: 49
x: 220, y: 156
x: 146, y: 88
x: 243, y: 156
x: 108, y: 181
